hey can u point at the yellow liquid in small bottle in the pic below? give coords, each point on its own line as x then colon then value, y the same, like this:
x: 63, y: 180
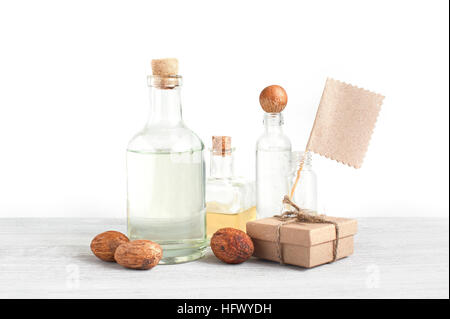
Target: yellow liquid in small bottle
x: 216, y: 221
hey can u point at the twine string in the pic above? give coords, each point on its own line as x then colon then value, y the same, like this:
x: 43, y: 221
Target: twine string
x: 302, y: 216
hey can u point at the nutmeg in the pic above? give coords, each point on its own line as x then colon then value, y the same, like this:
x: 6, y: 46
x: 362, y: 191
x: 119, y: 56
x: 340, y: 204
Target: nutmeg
x: 231, y: 245
x: 104, y: 245
x: 138, y: 254
x: 273, y: 99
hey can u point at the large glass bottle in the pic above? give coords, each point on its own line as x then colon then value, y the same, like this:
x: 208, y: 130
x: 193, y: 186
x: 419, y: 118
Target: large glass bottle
x: 230, y: 200
x: 166, y: 177
x: 273, y: 158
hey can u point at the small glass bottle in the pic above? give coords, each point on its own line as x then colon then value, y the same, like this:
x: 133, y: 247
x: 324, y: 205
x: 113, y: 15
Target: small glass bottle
x: 166, y: 174
x: 273, y: 167
x: 230, y: 200
x: 305, y: 194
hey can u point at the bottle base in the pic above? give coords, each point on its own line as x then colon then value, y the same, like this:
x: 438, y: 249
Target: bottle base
x: 216, y: 221
x: 178, y: 251
x: 178, y: 256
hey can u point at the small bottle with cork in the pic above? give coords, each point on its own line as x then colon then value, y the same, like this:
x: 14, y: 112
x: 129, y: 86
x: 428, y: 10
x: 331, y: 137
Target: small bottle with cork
x: 305, y: 192
x: 273, y: 154
x: 230, y: 200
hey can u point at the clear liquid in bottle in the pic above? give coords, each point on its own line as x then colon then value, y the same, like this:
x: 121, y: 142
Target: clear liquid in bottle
x: 166, y: 178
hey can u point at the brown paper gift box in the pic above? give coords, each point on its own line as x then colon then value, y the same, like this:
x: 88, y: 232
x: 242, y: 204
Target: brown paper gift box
x: 302, y: 244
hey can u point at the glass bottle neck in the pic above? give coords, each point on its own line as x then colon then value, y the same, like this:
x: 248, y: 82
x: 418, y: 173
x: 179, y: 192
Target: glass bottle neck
x: 222, y: 166
x: 165, y: 107
x: 297, y: 158
x: 273, y: 123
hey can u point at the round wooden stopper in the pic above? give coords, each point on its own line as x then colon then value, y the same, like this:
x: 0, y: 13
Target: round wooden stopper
x: 273, y: 99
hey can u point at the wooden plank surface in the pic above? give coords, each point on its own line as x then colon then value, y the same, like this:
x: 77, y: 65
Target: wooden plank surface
x: 394, y: 258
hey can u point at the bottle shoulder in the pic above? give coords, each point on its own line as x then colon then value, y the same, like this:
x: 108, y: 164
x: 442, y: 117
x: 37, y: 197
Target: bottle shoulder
x: 168, y: 139
x: 235, y: 182
x: 230, y: 195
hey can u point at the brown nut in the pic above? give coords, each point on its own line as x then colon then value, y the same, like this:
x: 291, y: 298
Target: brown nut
x: 231, y: 245
x: 138, y: 254
x: 273, y: 99
x: 104, y: 245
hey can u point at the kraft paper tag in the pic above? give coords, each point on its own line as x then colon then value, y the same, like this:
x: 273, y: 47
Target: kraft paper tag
x: 344, y: 122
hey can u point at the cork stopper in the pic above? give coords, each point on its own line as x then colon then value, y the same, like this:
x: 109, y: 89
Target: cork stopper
x: 273, y: 99
x: 221, y: 145
x: 165, y: 67
x: 165, y: 73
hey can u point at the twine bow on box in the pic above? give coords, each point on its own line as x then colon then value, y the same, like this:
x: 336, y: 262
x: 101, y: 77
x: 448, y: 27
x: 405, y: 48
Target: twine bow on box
x: 302, y: 216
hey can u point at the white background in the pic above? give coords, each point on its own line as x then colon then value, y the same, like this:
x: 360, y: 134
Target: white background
x: 73, y: 92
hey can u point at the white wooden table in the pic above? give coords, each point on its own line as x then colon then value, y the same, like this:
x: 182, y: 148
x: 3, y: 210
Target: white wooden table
x: 394, y: 258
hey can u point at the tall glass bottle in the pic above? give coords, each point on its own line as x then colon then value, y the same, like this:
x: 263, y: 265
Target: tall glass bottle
x: 166, y: 174
x: 230, y: 200
x: 273, y: 158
